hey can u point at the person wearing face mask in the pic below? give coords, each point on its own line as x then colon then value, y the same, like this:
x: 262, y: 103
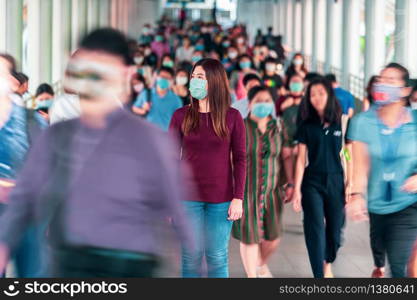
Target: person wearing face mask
x: 271, y: 79
x: 160, y: 45
x: 212, y: 135
x: 138, y: 86
x: 181, y: 86
x: 385, y: 171
x: 185, y: 52
x: 44, y: 99
x: 162, y: 103
x: 150, y: 57
x: 319, y: 188
x: 346, y: 99
x: 413, y: 98
x: 85, y: 174
x: 230, y: 60
x: 236, y: 78
x: 167, y: 61
x: 146, y: 36
x: 297, y: 67
x: 260, y: 227
x: 197, y: 56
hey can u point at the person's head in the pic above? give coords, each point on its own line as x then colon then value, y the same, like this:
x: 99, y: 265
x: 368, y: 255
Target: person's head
x: 298, y: 60
x: 295, y: 85
x: 310, y: 77
x: 167, y: 61
x: 100, y: 71
x: 159, y: 37
x: 23, y: 82
x: 245, y: 62
x: 392, y: 85
x: 270, y: 30
x: 186, y: 41
x: 264, y: 51
x: 226, y: 43
x: 270, y: 66
x: 44, y: 92
x: 138, y: 84
x: 332, y: 79
x: 197, y: 56
x: 251, y: 80
x: 165, y: 79
x: 182, y: 77
x: 232, y: 53
x: 320, y: 103
x: 199, y: 46
x: 208, y: 83
x: 261, y: 103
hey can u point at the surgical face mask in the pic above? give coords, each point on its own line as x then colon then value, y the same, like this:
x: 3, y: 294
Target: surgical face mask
x: 145, y: 30
x: 198, y: 88
x: 163, y: 83
x: 245, y: 64
x: 233, y: 55
x: 138, y: 60
x: 138, y: 87
x: 226, y: 44
x: 296, y: 87
x: 196, y: 58
x: 240, y: 41
x: 270, y: 67
x: 168, y: 64
x: 44, y: 104
x: 199, y: 47
x: 181, y: 80
x: 298, y: 61
x: 93, y: 80
x: 262, y: 109
x: 148, y: 52
x: 386, y: 94
x: 159, y: 38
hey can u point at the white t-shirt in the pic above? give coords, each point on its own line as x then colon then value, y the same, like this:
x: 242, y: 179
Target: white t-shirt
x: 184, y: 54
x: 64, y: 107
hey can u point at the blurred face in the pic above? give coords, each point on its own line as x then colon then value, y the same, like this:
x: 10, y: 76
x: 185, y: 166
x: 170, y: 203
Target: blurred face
x: 393, y: 77
x: 101, y: 80
x: 261, y: 97
x: 251, y: 84
x: 318, y: 98
x: 413, y: 97
x: 186, y: 42
x: 296, y: 85
x: 44, y: 96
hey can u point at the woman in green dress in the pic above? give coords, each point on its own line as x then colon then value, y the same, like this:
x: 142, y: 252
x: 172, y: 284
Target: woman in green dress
x: 259, y: 229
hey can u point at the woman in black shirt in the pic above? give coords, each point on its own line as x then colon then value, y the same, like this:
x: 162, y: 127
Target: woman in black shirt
x: 319, y: 187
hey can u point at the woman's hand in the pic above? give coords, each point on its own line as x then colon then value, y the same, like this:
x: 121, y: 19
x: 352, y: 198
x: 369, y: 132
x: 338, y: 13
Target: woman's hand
x: 235, y: 210
x: 296, y: 200
x: 289, y: 191
x: 356, y: 208
x: 410, y: 185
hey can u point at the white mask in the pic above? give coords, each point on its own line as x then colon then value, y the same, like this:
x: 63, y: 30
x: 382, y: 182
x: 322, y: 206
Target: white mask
x: 233, y: 55
x: 270, y: 67
x: 181, y: 80
x: 413, y: 105
x: 138, y: 87
x: 138, y: 60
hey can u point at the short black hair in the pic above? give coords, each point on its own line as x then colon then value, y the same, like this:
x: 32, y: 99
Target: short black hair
x: 310, y: 76
x: 331, y: 77
x: 44, y: 88
x: 108, y: 40
x: 332, y: 111
x: 257, y: 89
x: 402, y: 69
x: 168, y: 70
x: 21, y: 77
x: 270, y: 60
x: 250, y: 76
x: 11, y: 60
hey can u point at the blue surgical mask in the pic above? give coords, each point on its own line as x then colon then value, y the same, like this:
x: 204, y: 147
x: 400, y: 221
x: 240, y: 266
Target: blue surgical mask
x: 196, y: 58
x: 45, y: 104
x: 168, y: 64
x: 245, y: 64
x: 199, y: 47
x: 386, y: 94
x: 263, y: 110
x: 198, y: 88
x: 162, y: 83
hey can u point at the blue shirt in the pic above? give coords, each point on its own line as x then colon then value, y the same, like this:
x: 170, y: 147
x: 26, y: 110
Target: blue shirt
x: 162, y: 109
x: 345, y: 98
x: 393, y: 153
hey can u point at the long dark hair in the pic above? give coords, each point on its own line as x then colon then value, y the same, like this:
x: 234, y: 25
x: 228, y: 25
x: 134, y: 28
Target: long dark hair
x: 332, y: 111
x: 218, y: 97
x: 369, y: 87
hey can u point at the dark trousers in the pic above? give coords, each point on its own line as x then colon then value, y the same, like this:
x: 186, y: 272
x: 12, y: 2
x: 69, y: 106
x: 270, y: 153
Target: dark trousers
x: 394, y: 235
x: 91, y: 263
x: 323, y: 202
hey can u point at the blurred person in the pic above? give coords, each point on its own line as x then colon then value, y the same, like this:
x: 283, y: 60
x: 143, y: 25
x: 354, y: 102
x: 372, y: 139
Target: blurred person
x: 271, y: 79
x: 44, y: 96
x: 260, y: 227
x: 181, y: 86
x: 66, y: 179
x: 184, y: 52
x: 310, y: 76
x: 146, y: 36
x: 413, y: 98
x: 259, y: 38
x: 212, y: 136
x: 290, y: 120
x: 244, y: 67
x: 167, y: 61
x: 151, y: 58
x: 368, y: 100
x: 138, y: 84
x: 160, y: 45
x: 346, y: 99
x: 249, y: 81
x: 385, y: 168
x: 159, y: 108
x: 197, y: 56
x: 320, y: 187
x: 21, y: 95
x: 230, y: 61
x: 297, y: 66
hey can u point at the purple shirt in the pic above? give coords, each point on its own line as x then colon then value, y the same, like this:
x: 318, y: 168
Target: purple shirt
x: 160, y: 48
x: 218, y: 165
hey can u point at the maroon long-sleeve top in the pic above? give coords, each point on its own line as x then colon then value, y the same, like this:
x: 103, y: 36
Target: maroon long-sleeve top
x: 218, y: 164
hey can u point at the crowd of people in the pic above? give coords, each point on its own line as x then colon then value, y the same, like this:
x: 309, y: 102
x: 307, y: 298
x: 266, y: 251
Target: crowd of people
x: 197, y: 128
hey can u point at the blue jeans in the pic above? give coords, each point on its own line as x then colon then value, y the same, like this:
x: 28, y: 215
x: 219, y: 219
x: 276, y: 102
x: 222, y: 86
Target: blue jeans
x: 211, y: 230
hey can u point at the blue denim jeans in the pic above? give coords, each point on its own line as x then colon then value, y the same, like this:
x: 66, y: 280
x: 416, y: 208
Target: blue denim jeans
x: 211, y: 230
